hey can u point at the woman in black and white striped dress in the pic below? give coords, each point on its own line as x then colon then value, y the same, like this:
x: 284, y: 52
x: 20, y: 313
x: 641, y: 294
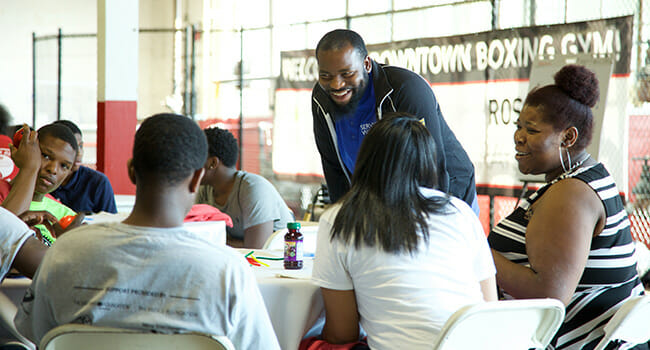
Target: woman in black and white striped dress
x: 570, y: 240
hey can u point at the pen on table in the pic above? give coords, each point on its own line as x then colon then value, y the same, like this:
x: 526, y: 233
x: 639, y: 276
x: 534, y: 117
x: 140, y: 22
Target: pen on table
x: 252, y: 262
x: 257, y: 261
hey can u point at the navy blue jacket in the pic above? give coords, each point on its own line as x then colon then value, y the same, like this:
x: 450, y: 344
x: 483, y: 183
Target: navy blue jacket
x: 396, y: 90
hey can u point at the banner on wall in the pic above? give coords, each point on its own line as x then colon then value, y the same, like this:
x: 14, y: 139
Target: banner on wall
x: 480, y: 81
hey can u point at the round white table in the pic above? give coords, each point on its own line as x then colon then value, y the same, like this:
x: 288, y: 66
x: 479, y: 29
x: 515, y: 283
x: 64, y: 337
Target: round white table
x: 293, y: 301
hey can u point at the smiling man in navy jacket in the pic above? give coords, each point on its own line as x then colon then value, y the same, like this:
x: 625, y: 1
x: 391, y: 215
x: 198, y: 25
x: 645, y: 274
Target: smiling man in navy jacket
x: 353, y: 92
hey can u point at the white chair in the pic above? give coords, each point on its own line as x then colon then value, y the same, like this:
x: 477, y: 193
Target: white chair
x: 502, y: 325
x: 78, y: 337
x: 630, y: 324
x: 275, y: 240
x: 8, y: 311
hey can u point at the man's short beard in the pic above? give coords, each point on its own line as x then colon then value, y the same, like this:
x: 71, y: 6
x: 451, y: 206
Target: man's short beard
x: 351, y: 106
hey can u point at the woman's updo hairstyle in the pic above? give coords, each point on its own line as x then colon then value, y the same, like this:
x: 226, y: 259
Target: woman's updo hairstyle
x: 568, y: 102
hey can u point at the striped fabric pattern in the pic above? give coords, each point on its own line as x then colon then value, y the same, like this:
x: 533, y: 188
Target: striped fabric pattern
x: 610, y: 276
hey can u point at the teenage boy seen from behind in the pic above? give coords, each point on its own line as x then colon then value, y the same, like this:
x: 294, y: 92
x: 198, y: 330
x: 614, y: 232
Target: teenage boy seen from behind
x: 148, y: 272
x: 85, y: 190
x: 45, y: 159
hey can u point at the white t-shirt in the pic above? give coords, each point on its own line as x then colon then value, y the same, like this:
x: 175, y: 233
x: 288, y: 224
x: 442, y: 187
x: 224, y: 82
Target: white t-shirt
x: 154, y: 279
x: 14, y: 234
x: 404, y: 300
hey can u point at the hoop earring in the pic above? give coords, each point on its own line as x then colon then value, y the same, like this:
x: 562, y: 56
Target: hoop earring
x: 559, y: 148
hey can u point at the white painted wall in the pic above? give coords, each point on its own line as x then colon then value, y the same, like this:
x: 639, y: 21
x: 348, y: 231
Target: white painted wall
x: 156, y: 69
x: 18, y: 19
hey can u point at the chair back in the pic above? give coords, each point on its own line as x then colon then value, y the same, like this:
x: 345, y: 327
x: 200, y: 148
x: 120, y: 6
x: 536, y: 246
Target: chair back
x: 630, y: 324
x: 502, y: 325
x: 8, y: 311
x: 78, y: 337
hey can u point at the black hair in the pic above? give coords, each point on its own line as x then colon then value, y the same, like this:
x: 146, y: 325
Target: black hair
x: 61, y: 132
x: 384, y: 206
x: 340, y: 38
x: 223, y: 145
x: 168, y: 148
x: 568, y: 102
x: 75, y: 129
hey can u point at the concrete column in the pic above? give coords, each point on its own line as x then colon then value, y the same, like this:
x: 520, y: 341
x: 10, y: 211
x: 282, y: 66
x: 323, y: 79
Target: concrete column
x: 117, y: 80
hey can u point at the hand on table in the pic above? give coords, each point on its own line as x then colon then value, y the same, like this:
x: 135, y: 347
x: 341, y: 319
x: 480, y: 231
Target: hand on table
x: 33, y: 218
x: 64, y: 226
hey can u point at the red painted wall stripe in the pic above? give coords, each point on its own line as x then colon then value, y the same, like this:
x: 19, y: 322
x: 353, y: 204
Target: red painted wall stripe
x: 116, y: 124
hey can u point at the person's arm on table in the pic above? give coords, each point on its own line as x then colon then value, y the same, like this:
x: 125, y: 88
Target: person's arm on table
x: 558, y: 238
x: 341, y: 316
x: 41, y: 217
x: 29, y: 256
x: 256, y: 236
x: 234, y: 242
x: 78, y: 221
x: 27, y: 158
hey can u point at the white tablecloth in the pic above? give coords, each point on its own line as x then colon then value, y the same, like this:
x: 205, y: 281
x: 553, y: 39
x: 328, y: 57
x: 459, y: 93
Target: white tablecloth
x: 293, y: 302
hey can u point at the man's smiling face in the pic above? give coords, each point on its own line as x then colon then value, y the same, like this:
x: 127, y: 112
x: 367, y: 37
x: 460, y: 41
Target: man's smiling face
x: 343, y: 75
